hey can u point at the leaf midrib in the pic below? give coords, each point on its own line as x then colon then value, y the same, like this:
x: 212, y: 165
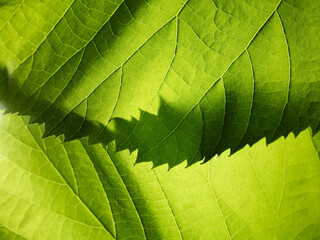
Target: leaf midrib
x: 212, y: 85
x: 121, y: 65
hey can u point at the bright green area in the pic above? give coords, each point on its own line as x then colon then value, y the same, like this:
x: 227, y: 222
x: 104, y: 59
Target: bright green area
x: 177, y: 80
x: 54, y: 190
x: 170, y: 81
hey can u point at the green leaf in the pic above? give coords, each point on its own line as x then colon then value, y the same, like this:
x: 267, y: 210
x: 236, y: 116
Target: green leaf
x: 175, y: 80
x: 316, y: 142
x: 54, y: 190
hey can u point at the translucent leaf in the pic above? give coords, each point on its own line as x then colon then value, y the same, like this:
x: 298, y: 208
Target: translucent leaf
x: 54, y: 190
x: 175, y: 80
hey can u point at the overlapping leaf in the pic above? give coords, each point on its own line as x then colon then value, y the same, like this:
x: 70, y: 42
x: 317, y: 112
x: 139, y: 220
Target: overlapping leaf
x: 54, y: 190
x: 197, y: 78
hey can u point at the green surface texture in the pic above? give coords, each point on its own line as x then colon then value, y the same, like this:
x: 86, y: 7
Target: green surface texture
x: 103, y: 97
x: 176, y: 80
x: 53, y: 190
